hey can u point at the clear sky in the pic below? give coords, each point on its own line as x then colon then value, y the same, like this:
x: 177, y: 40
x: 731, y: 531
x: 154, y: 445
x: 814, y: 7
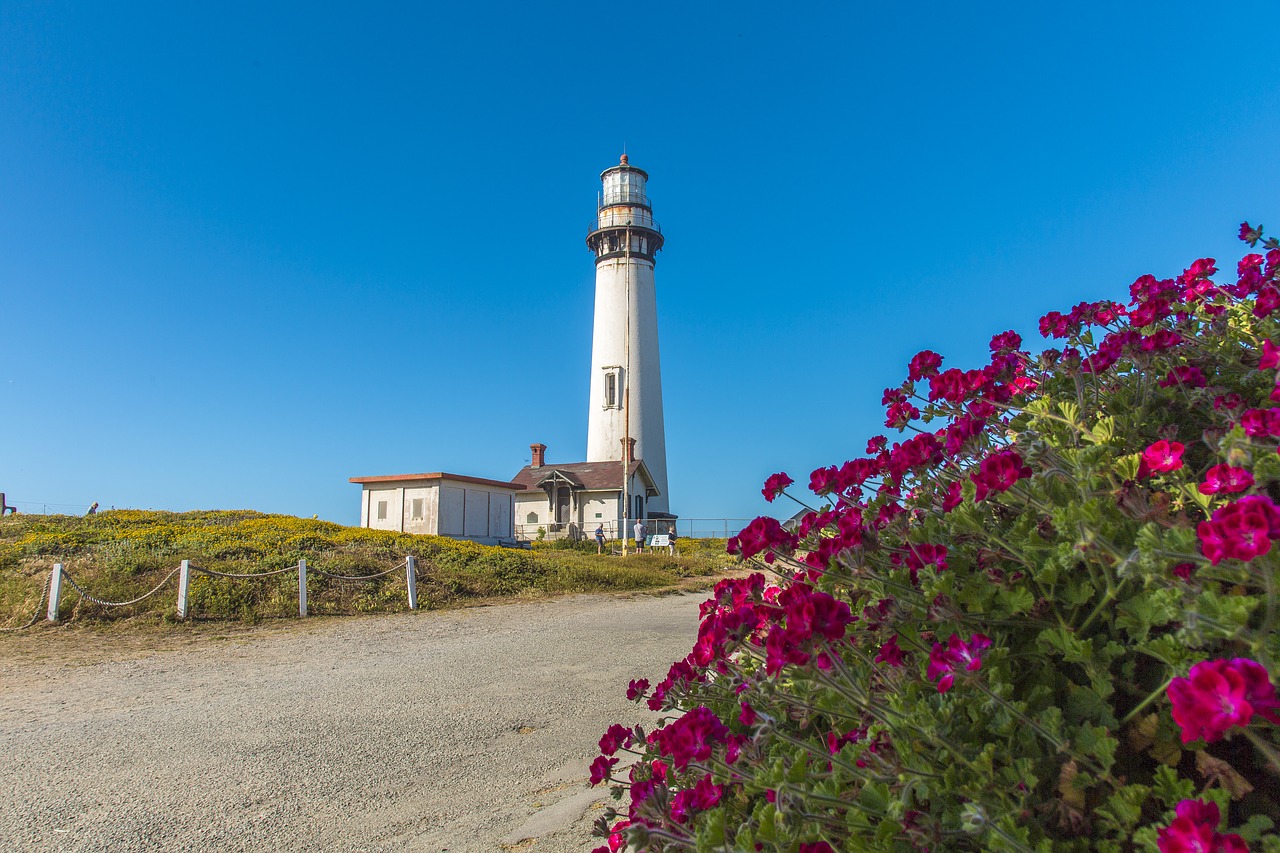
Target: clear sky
x: 250, y: 250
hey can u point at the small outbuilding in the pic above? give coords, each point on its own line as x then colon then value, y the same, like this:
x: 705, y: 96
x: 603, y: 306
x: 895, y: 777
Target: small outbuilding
x: 440, y: 504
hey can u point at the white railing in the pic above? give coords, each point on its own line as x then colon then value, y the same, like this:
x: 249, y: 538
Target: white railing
x: 623, y: 218
x: 689, y: 528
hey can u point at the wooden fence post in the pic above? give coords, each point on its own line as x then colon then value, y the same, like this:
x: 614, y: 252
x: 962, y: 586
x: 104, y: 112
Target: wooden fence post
x: 55, y: 591
x: 184, y: 580
x: 411, y: 580
x: 302, y: 587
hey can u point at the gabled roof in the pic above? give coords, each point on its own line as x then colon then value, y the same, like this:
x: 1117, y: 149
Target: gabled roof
x: 592, y: 476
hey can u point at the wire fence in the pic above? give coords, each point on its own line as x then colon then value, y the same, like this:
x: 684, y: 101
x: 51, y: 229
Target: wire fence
x: 688, y: 528
x: 53, y: 587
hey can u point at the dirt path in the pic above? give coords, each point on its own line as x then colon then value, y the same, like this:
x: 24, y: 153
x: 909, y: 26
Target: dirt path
x: 469, y: 730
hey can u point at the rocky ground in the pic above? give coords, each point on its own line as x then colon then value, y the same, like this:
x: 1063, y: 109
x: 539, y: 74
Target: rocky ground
x: 468, y: 730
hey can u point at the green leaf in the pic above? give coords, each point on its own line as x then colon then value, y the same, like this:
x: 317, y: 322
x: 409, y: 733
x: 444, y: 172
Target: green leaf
x: 1170, y: 788
x: 1123, y: 809
x: 875, y: 796
x: 1102, y: 432
x: 887, y: 831
x: 1127, y: 466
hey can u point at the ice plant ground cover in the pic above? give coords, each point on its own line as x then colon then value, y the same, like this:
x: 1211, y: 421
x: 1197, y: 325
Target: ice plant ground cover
x: 120, y: 554
x: 1043, y: 618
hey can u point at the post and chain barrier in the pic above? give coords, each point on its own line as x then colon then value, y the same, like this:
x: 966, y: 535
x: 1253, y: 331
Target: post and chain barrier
x: 44, y: 597
x: 52, y: 592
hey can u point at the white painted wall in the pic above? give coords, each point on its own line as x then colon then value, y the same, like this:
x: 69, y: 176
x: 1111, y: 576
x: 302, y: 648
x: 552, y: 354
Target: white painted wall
x: 449, y: 508
x: 393, y: 498
x: 615, y: 278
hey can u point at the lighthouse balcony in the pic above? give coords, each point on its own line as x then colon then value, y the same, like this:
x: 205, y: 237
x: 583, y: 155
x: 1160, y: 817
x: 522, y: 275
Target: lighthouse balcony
x: 614, y: 218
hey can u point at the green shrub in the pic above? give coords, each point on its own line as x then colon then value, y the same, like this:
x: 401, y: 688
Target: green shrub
x: 1046, y: 621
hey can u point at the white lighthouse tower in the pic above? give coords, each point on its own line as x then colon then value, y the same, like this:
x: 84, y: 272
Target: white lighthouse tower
x: 626, y: 381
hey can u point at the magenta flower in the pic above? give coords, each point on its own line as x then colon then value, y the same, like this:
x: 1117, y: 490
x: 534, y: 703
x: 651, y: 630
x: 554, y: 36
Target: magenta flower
x: 1249, y: 234
x: 943, y: 660
x: 691, y: 737
x: 700, y: 797
x: 1267, y: 302
x: 876, y: 445
x: 890, y: 653
x: 1261, y: 423
x: 1195, y: 830
x: 601, y: 768
x: 636, y: 688
x: 923, y: 364
x: 617, y: 838
x: 775, y: 485
x: 1219, y: 695
x: 998, y: 472
x: 1183, y: 571
x: 1162, y: 339
x: 616, y: 736
x: 1228, y: 401
x: 1163, y: 456
x: 1225, y: 478
x: 1270, y: 356
x: 1006, y: 342
x: 900, y: 414
x: 763, y: 534
x: 747, y: 716
x: 953, y: 496
x: 1241, y: 530
x: 1186, y: 375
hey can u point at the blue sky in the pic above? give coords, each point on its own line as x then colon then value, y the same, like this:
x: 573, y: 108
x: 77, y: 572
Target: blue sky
x: 249, y: 251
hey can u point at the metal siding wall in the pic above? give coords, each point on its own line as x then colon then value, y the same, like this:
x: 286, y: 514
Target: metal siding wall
x: 452, y: 500
x: 500, y: 516
x: 477, y: 513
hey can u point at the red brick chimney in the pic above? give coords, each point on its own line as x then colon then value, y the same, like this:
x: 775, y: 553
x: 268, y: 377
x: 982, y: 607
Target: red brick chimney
x: 539, y: 455
x: 629, y: 448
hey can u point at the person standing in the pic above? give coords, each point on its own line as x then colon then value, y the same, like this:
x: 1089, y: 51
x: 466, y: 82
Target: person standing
x: 640, y: 531
x: 600, y: 538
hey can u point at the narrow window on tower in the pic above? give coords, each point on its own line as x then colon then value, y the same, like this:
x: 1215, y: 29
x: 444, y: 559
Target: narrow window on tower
x: 611, y: 390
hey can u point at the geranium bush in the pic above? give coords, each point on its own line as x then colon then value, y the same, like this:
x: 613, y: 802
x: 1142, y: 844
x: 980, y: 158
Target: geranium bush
x: 1043, y: 619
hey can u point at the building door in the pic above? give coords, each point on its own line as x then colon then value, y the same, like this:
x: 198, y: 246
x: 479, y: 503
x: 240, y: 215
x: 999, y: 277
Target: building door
x: 562, y: 505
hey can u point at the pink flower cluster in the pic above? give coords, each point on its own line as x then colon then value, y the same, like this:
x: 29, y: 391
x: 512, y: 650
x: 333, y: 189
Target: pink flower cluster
x: 1219, y: 695
x: 617, y: 838
x: 1241, y: 530
x: 1225, y: 478
x: 1195, y: 830
x: 998, y: 472
x: 943, y: 660
x: 700, y: 797
x: 765, y: 535
x: 775, y: 485
x: 691, y: 737
x: 808, y: 617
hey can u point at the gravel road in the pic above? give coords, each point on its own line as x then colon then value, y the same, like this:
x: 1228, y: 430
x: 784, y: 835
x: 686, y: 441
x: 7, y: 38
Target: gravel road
x: 467, y: 730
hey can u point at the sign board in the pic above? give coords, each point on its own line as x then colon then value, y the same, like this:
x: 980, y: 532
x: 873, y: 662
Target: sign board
x: 660, y: 540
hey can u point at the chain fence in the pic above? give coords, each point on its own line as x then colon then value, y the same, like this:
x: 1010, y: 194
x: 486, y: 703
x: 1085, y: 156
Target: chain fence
x: 44, y: 598
x: 101, y: 603
x: 52, y: 590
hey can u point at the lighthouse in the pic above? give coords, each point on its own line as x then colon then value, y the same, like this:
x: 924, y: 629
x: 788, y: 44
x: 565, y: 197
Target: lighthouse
x: 625, y: 407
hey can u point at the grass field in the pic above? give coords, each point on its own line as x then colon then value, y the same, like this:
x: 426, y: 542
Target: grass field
x: 119, y: 555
